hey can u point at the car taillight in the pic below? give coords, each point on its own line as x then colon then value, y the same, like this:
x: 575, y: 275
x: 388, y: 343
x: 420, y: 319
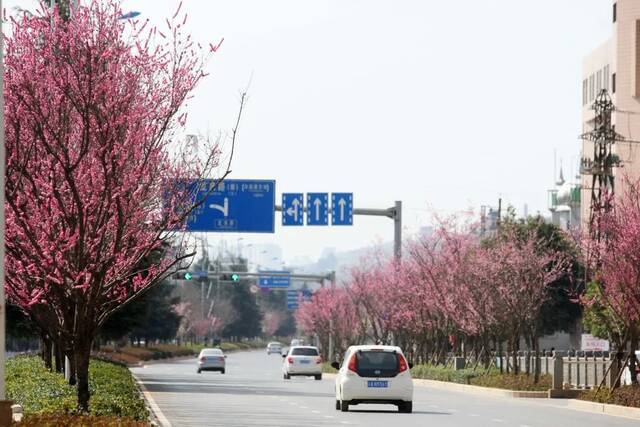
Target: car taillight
x: 202, y: 359
x: 353, y: 364
x: 221, y: 359
x: 402, y: 364
x: 290, y: 359
x: 319, y: 360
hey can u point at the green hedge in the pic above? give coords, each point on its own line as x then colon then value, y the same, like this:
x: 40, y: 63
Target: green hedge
x: 481, y: 377
x: 628, y: 395
x: 57, y: 420
x: 113, y: 389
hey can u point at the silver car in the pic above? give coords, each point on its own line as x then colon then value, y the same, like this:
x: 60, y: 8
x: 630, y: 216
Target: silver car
x: 211, y: 359
x: 274, y: 347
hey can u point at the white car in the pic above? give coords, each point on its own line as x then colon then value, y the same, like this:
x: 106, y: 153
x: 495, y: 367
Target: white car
x: 302, y: 360
x: 374, y: 374
x: 274, y: 347
x: 211, y: 359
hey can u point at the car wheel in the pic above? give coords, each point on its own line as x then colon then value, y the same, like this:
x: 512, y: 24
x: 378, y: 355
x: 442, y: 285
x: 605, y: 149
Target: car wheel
x: 405, y: 407
x: 286, y: 377
x: 344, y: 405
x: 199, y: 371
x: 337, y: 405
x: 222, y: 372
x: 318, y: 377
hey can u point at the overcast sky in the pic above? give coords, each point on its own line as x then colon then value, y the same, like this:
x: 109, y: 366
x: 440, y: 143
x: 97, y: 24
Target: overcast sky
x: 445, y: 105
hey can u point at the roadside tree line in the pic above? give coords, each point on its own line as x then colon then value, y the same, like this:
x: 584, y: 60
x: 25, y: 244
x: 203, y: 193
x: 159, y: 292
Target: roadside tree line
x: 454, y: 291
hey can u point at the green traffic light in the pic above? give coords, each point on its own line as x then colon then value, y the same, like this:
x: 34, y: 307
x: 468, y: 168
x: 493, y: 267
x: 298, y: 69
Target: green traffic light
x: 188, y: 276
x: 235, y: 277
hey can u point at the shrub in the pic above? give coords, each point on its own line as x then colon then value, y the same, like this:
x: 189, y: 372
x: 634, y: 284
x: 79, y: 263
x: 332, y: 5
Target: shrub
x: 65, y: 420
x: 625, y: 396
x: 442, y: 373
x: 113, y: 389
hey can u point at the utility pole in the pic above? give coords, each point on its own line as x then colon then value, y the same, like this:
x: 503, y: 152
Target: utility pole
x: 603, y: 136
x: 6, y: 415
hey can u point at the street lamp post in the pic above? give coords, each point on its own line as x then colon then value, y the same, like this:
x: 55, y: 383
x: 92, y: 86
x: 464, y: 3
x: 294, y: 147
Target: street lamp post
x: 5, y: 405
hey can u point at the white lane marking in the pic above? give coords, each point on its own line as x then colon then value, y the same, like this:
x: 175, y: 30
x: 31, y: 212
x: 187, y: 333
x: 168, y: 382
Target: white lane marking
x: 453, y: 410
x: 497, y: 420
x: 304, y: 407
x: 315, y: 412
x: 345, y: 422
x: 524, y: 425
x: 292, y: 403
x: 474, y: 415
x: 164, y: 422
x: 328, y: 416
x: 433, y: 406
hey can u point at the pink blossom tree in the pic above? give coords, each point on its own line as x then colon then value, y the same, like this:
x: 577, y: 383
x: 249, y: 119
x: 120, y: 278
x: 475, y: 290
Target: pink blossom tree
x: 613, y: 249
x: 94, y: 106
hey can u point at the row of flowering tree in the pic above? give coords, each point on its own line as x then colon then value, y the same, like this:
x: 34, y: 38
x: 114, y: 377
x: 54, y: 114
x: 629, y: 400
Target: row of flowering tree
x: 453, y: 291
x: 94, y: 106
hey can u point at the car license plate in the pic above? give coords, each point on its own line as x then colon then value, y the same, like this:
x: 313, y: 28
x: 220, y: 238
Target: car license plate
x: 305, y: 362
x: 377, y: 384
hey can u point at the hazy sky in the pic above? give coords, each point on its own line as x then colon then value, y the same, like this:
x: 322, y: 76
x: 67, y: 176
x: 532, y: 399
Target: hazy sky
x: 444, y: 105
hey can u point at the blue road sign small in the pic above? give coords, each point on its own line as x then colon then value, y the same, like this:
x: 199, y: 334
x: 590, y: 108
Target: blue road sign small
x: 292, y: 209
x: 317, y: 208
x: 268, y: 281
x: 341, y: 208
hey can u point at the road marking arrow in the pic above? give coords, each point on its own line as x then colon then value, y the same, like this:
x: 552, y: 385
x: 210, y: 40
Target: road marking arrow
x: 294, y: 210
x: 222, y: 208
x: 317, y: 203
x: 341, y: 203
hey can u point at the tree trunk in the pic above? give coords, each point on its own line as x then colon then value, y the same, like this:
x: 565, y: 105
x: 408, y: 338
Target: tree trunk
x: 72, y: 368
x: 46, y: 351
x: 632, y: 354
x: 536, y: 368
x: 58, y: 357
x: 82, y: 353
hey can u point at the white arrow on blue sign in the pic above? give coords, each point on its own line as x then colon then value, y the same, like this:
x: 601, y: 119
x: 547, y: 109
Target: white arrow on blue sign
x: 292, y: 209
x: 341, y: 208
x: 317, y: 208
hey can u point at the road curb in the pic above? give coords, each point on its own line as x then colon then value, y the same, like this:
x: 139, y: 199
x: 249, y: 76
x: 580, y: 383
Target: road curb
x: 154, y: 409
x: 604, y: 408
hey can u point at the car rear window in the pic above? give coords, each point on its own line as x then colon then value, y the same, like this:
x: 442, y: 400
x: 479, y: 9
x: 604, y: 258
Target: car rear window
x: 377, y: 364
x: 211, y: 352
x: 304, y: 352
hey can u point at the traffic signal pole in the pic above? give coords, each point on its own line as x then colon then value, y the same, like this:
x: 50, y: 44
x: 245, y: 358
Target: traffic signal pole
x: 394, y: 212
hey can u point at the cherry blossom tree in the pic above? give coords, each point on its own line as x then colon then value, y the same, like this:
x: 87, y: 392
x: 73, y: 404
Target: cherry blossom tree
x: 94, y: 108
x: 614, y: 253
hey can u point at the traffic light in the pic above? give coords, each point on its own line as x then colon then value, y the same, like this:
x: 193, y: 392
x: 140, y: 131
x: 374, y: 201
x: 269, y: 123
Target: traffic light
x: 231, y: 277
x: 182, y: 275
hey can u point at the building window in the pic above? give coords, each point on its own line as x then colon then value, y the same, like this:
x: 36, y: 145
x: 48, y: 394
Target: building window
x: 615, y: 12
x: 585, y: 92
x: 613, y: 83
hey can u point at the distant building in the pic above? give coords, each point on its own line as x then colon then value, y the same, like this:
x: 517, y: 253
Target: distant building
x: 489, y: 217
x: 564, y: 203
x: 614, y: 66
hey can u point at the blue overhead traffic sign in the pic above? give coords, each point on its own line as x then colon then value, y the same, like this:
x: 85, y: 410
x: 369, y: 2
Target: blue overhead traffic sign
x: 267, y: 280
x: 234, y: 205
x: 317, y: 208
x: 292, y: 209
x: 341, y: 208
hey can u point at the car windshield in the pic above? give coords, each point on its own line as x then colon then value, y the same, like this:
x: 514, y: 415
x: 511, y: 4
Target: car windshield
x: 304, y: 351
x: 377, y: 363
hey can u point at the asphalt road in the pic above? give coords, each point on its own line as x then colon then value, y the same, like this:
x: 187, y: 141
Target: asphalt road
x: 253, y: 393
